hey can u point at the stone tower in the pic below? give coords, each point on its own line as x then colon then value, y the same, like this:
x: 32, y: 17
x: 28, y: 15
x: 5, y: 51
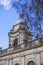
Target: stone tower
x: 19, y: 35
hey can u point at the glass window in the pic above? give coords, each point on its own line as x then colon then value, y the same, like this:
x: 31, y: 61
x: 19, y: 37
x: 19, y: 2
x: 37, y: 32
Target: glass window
x: 15, y: 42
x: 17, y: 64
x: 31, y: 63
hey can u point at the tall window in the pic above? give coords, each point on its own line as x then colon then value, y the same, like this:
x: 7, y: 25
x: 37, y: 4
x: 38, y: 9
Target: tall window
x: 31, y: 63
x: 17, y: 64
x: 15, y: 42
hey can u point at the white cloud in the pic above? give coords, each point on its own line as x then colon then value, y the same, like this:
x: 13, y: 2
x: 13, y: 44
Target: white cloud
x: 6, y: 3
x: 16, y: 0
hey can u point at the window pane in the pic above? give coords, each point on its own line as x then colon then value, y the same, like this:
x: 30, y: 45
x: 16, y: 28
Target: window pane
x: 16, y: 64
x: 31, y: 63
x: 15, y: 42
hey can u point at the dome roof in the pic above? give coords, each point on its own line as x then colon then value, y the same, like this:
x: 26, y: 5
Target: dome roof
x: 20, y: 20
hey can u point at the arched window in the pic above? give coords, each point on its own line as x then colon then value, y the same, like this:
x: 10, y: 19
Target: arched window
x: 31, y: 63
x: 15, y: 42
x: 9, y: 45
x: 17, y: 64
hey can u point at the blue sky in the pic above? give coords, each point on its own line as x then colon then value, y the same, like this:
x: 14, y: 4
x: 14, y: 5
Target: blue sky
x: 7, y: 19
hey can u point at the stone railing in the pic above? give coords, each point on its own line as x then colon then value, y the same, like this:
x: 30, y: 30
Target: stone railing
x: 3, y: 51
x: 31, y: 44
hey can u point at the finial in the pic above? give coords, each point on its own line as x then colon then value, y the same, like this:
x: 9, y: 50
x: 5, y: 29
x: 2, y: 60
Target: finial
x: 21, y: 15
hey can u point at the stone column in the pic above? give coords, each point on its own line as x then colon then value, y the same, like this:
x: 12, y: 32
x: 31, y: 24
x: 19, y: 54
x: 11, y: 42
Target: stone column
x: 22, y: 60
x: 37, y: 59
x: 10, y: 62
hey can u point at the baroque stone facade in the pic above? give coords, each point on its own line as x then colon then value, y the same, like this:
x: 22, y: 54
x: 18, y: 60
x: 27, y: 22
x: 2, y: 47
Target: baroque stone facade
x: 22, y: 49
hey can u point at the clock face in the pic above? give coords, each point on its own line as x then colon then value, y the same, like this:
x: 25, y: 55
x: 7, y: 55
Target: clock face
x: 16, y: 28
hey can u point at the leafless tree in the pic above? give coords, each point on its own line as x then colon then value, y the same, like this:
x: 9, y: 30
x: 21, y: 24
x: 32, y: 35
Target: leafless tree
x: 32, y: 12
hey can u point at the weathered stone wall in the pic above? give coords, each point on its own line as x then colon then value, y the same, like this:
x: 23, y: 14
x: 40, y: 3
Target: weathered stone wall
x: 23, y: 57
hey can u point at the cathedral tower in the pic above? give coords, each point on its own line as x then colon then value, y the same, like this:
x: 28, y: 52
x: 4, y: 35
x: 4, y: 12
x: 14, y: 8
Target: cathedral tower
x: 19, y: 35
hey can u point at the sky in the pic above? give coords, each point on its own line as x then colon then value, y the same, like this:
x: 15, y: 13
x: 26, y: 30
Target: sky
x: 8, y: 18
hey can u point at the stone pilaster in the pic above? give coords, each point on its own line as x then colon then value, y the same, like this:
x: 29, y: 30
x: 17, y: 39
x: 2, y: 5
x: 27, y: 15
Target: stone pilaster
x: 37, y: 59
